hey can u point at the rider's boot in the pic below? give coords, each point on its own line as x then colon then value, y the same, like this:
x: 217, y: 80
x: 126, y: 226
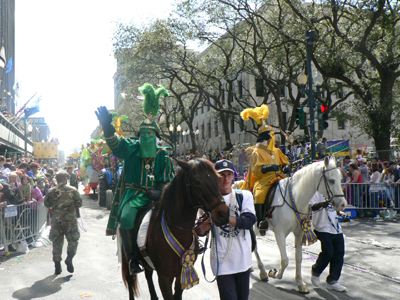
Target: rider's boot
x: 130, y: 250
x: 263, y: 227
x: 58, y: 270
x: 68, y: 262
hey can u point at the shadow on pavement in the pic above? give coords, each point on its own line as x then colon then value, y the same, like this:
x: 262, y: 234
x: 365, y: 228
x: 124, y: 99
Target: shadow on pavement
x: 42, y: 288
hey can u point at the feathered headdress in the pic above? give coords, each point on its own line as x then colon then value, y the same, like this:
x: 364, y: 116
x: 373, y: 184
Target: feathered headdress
x: 259, y: 115
x: 151, y: 104
x: 117, y: 122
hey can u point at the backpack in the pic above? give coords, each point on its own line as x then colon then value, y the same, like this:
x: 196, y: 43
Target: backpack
x: 239, y: 199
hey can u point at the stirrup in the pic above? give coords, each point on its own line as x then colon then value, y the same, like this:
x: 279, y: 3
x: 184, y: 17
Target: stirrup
x: 134, y: 268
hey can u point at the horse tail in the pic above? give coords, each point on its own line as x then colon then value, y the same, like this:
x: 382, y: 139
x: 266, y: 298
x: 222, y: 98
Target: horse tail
x: 130, y: 281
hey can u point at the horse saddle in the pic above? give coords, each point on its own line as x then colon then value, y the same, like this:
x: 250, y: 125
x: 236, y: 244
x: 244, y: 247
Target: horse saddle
x: 142, y: 223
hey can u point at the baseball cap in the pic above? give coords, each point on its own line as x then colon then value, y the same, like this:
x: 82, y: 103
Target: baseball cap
x: 391, y: 163
x: 224, y: 165
x: 347, y: 157
x: 363, y: 159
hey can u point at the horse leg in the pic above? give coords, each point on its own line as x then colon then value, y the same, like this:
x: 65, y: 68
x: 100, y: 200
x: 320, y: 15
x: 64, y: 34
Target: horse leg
x: 263, y: 272
x: 302, y: 286
x: 165, y: 284
x: 178, y: 289
x: 280, y: 239
x: 150, y: 283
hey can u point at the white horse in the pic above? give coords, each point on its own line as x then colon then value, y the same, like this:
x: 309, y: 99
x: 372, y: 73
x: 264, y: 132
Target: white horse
x: 322, y: 176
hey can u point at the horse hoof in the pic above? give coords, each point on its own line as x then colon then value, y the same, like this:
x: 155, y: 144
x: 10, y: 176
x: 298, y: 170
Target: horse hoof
x: 272, y: 273
x: 264, y: 277
x: 303, y: 289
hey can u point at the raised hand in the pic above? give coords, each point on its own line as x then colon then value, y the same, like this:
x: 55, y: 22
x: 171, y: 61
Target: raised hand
x: 105, y: 119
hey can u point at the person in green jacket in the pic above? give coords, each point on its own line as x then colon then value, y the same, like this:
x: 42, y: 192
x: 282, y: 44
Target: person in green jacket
x: 147, y: 168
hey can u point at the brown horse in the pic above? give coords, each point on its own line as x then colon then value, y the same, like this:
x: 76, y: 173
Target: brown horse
x: 194, y: 186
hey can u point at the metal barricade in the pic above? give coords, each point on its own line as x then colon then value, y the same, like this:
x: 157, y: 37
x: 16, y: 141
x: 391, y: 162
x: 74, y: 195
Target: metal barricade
x: 21, y: 223
x: 372, y: 197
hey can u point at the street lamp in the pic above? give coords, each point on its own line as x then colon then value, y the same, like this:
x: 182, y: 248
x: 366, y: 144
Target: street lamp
x: 311, y: 36
x: 174, y: 128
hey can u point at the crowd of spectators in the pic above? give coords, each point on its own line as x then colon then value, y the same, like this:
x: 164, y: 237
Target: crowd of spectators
x: 360, y: 173
x: 24, y: 180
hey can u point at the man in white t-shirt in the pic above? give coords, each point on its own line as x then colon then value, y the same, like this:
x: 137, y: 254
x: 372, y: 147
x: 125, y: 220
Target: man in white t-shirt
x: 233, y: 240
x: 329, y: 232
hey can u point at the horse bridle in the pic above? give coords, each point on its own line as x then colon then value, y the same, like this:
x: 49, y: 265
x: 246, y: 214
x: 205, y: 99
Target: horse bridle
x: 202, y: 201
x: 327, y: 187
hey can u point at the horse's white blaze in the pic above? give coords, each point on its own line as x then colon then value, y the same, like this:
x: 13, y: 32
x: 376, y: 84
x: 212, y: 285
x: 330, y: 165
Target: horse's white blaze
x: 323, y: 176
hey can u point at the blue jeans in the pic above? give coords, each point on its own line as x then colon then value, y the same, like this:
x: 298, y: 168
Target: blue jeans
x: 357, y: 200
x: 234, y: 286
x: 332, y: 253
x: 375, y: 203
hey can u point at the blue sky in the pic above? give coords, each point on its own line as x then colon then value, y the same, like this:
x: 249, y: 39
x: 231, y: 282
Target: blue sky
x: 64, y: 54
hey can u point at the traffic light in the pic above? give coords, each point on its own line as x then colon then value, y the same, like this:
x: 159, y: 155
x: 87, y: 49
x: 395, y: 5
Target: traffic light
x: 300, y: 118
x: 322, y: 117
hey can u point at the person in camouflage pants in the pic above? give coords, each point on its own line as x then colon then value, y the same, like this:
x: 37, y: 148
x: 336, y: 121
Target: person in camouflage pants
x: 73, y: 178
x: 64, y: 200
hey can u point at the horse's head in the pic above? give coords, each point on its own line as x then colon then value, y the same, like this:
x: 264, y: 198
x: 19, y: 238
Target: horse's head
x: 202, y: 184
x: 329, y: 183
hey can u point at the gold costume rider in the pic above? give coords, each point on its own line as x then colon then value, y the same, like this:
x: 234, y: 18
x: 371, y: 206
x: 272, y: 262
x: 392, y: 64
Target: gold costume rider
x: 267, y: 163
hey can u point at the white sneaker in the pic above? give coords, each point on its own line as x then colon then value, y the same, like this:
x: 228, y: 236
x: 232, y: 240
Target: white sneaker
x: 336, y: 287
x: 315, y: 280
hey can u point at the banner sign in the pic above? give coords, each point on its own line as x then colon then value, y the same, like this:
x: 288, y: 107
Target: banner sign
x: 45, y: 150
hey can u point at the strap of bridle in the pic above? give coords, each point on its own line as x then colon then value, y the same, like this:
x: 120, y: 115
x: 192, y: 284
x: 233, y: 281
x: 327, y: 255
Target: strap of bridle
x: 203, y: 203
x: 327, y: 186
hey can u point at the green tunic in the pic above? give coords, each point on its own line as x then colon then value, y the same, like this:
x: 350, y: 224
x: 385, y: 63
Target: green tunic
x: 135, y: 180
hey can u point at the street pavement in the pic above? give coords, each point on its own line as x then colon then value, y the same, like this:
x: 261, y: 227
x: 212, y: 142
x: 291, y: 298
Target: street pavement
x: 371, y: 270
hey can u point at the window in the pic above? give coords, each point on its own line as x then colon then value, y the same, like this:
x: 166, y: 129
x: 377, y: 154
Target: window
x: 209, y: 129
x: 223, y: 97
x: 230, y: 96
x: 241, y: 124
x: 339, y: 92
x: 240, y: 89
x: 284, y: 116
x: 281, y: 90
x: 260, y: 87
x: 203, y: 136
x: 202, y: 109
x: 341, y: 123
x: 216, y: 128
x: 232, y: 125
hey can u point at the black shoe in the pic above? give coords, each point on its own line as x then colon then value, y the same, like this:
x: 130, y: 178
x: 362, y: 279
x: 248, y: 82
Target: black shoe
x: 264, y: 225
x: 70, y: 266
x: 58, y: 267
x: 134, y: 267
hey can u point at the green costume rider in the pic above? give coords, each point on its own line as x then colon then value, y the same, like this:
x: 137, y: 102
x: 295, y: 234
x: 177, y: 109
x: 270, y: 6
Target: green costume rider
x: 147, y: 168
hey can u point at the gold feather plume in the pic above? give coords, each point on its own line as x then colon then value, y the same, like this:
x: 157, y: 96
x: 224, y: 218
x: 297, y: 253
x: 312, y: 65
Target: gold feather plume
x: 258, y: 114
